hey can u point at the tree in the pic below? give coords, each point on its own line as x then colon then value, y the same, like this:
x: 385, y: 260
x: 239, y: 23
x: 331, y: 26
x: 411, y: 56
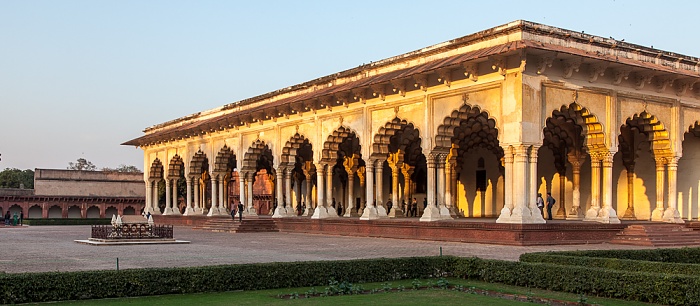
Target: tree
x: 15, y: 178
x: 81, y: 164
x: 123, y: 168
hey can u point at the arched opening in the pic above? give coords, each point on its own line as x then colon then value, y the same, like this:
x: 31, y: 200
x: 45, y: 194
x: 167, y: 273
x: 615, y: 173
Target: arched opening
x: 111, y: 211
x: 92, y: 212
x: 689, y: 175
x: 35, y: 212
x: 297, y: 161
x: 398, y: 145
x: 74, y: 212
x: 467, y: 136
x: 129, y: 210
x: 157, y: 183
x: 15, y: 209
x: 175, y: 201
x: 55, y: 212
x: 341, y: 152
x: 199, y: 173
x: 224, y: 164
x: 257, y: 165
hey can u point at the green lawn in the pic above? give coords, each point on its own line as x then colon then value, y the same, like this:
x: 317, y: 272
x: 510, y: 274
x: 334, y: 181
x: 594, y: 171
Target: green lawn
x: 406, y: 297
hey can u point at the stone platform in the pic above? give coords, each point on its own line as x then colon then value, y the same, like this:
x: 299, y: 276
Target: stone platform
x: 99, y: 242
x: 471, y: 230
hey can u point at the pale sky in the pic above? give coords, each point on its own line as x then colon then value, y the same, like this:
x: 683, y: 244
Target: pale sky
x: 78, y: 78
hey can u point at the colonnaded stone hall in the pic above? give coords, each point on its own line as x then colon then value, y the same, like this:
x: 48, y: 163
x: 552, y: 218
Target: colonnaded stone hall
x: 474, y: 127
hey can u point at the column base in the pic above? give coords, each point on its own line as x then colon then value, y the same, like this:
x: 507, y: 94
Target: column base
x: 561, y: 212
x: 189, y: 211
x: 657, y: 214
x: 430, y: 214
x: 519, y: 215
x: 280, y: 212
x: 574, y: 214
x: 168, y: 211
x: 445, y: 213
x: 351, y: 213
x: 629, y: 214
x: 213, y: 211
x: 369, y: 213
x: 592, y: 214
x: 332, y: 213
x: 250, y: 212
x: 381, y: 212
x: 308, y: 212
x: 397, y: 213
x: 291, y: 212
x: 320, y: 213
x: 608, y: 215
x: 671, y: 215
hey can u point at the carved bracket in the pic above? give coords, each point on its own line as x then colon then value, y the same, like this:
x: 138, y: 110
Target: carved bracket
x: 641, y: 79
x: 359, y: 95
x: 682, y: 86
x: 620, y: 74
x: 543, y: 63
x: 596, y: 70
x: 421, y: 81
x: 471, y: 70
x: 571, y: 66
x: 498, y: 64
x: 662, y: 82
x: 445, y: 76
x: 378, y: 91
x: 399, y: 86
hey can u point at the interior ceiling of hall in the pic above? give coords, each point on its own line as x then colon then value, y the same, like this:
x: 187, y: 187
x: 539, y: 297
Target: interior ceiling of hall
x: 639, y: 64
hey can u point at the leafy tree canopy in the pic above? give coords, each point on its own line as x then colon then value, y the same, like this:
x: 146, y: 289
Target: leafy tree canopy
x: 123, y: 168
x: 81, y: 164
x: 14, y: 178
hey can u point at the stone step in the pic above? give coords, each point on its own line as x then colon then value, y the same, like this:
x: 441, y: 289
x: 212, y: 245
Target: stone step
x: 250, y: 225
x: 657, y: 235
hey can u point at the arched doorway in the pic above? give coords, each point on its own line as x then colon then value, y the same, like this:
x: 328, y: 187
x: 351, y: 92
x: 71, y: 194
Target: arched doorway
x: 259, y: 183
x: 342, y: 152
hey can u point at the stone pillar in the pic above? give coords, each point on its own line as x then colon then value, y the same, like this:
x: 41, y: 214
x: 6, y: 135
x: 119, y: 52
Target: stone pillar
x: 441, y: 187
x: 657, y: 214
x: 155, y: 202
x: 296, y: 197
x: 214, y: 209
x: 242, y: 190
x: 370, y: 211
x: 280, y: 210
x: 350, y: 165
x: 189, y: 210
x: 592, y: 212
x: 575, y: 212
x: 629, y: 213
x: 329, y: 192
x: 249, y: 183
x: 308, y: 200
x: 607, y: 214
x: 222, y: 202
x: 321, y: 211
x: 671, y: 213
x: 175, y: 208
x: 288, y: 188
x: 381, y: 208
x: 532, y: 188
x: 521, y: 213
x: 168, y: 202
x: 149, y: 198
x: 561, y: 211
x: 362, y: 176
x: 506, y: 212
x: 453, y: 182
x: 431, y: 212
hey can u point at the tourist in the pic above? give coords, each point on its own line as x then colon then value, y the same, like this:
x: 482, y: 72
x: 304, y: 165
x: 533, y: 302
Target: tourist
x: 540, y: 204
x: 233, y: 213
x: 388, y: 206
x: 340, y: 209
x: 15, y: 218
x: 21, y: 217
x: 240, y: 212
x: 414, y: 208
x: 7, y: 217
x: 550, y: 204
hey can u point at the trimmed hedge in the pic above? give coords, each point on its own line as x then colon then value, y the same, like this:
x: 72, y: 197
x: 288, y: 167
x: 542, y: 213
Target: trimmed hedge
x: 613, y: 263
x: 68, y: 221
x: 57, y: 286
x: 635, y: 286
x: 681, y: 255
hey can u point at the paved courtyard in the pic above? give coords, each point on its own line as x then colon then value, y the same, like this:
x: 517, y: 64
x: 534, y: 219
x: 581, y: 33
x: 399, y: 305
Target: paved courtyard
x: 52, y: 248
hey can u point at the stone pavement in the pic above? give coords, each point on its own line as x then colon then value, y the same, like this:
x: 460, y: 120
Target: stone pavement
x: 51, y: 248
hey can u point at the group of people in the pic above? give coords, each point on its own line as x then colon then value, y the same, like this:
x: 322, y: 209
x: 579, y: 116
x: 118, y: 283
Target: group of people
x: 237, y: 209
x: 550, y: 204
x: 13, y: 219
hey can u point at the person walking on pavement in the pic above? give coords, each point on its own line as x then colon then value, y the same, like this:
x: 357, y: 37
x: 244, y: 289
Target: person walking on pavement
x: 550, y: 204
x: 240, y: 212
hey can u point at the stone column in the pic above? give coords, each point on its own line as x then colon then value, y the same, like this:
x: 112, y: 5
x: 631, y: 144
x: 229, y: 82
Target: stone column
x: 592, y: 213
x: 168, y: 202
x: 349, y: 204
x: 156, y: 204
x: 249, y: 183
x: 321, y: 211
x: 671, y: 214
x: 214, y: 209
x: 176, y: 209
x: 381, y: 208
x: 575, y: 212
x: 657, y: 214
x: 521, y: 213
x: 507, y: 211
x: 362, y: 176
x: 280, y: 210
x: 395, y: 162
x: 329, y: 192
x: 607, y: 214
x: 149, y: 198
x: 453, y: 189
x: 296, y: 197
x: 309, y: 204
x: 197, y: 199
x: 189, y: 210
x: 370, y: 211
x: 532, y: 188
x: 561, y: 211
x: 629, y: 212
x: 242, y: 190
x: 222, y: 202
x: 431, y: 212
x: 441, y: 187
x: 288, y: 188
